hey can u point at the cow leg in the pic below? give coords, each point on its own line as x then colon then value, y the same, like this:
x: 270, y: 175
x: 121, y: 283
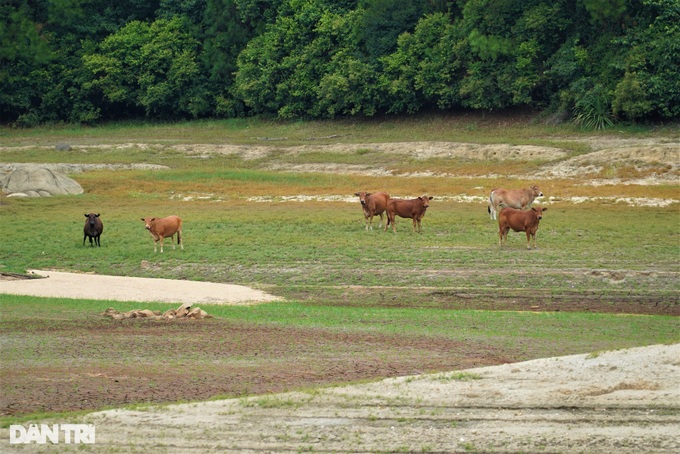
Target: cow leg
x: 503, y: 235
x: 179, y: 239
x: 369, y: 222
x: 381, y: 220
x: 528, y: 239
x: 494, y: 210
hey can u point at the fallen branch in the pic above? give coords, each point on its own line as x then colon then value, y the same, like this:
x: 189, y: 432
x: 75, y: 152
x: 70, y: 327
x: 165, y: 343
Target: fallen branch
x: 184, y: 311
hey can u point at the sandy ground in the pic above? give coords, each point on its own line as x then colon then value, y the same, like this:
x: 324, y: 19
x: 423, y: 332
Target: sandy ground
x: 624, y: 401
x: 118, y: 288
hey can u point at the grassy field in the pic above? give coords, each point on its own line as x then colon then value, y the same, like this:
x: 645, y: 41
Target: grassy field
x: 375, y: 303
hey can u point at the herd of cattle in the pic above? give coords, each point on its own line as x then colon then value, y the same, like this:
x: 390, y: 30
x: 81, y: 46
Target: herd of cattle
x: 514, y: 204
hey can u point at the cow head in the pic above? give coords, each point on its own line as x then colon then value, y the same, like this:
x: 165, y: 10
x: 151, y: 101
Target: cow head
x: 91, y: 217
x: 539, y: 212
x: 425, y: 200
x: 362, y: 196
x: 535, y: 191
x: 148, y: 222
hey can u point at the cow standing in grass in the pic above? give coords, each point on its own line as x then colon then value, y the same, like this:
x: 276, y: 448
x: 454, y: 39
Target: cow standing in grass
x: 373, y: 204
x: 519, y: 221
x: 93, y: 229
x: 414, y: 209
x: 513, y: 198
x: 161, y: 228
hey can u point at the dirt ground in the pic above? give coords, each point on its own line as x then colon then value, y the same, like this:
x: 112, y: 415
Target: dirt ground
x: 625, y: 401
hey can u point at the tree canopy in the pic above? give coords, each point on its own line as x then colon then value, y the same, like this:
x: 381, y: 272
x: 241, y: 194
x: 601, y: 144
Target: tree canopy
x: 86, y: 61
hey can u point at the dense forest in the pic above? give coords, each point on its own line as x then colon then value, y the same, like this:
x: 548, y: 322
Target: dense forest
x: 87, y: 61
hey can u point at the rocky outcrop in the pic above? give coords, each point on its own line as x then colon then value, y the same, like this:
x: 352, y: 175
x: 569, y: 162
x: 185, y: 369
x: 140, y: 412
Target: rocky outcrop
x: 35, y: 180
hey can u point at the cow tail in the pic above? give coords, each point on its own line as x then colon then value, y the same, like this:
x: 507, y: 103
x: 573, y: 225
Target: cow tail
x: 488, y: 207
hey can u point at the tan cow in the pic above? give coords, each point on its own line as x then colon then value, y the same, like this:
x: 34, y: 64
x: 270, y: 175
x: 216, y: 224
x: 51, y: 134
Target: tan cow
x: 161, y: 228
x: 513, y: 198
x: 373, y: 204
x: 519, y: 221
x: 414, y: 209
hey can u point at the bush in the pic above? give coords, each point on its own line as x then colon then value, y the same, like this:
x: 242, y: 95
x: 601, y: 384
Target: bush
x: 593, y: 111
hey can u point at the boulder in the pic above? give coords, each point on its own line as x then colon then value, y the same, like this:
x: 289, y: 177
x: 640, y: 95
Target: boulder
x: 35, y: 180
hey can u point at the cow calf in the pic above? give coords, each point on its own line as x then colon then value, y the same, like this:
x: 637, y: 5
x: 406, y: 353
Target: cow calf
x: 414, y: 209
x: 519, y: 221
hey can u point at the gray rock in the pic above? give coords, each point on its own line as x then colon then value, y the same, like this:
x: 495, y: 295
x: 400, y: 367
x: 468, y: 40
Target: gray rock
x: 35, y: 180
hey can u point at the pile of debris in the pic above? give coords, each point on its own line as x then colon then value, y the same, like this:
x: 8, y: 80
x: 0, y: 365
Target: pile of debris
x: 184, y: 311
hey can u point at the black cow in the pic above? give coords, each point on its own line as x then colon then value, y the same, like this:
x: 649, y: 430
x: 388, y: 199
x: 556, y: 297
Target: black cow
x: 93, y: 229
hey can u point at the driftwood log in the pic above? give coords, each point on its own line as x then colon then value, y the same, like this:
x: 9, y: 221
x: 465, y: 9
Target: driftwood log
x: 184, y: 311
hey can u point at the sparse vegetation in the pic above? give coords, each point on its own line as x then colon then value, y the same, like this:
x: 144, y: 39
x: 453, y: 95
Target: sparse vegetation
x: 360, y: 305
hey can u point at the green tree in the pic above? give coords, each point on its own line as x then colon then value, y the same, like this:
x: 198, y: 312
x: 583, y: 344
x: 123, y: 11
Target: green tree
x: 150, y: 68
x: 224, y: 37
x: 426, y: 68
x: 23, y: 55
x: 649, y: 83
x: 382, y: 21
x: 630, y: 97
x: 306, y: 64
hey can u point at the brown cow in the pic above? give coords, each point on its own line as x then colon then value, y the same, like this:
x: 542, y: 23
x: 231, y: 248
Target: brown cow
x: 414, y: 209
x: 513, y: 198
x: 160, y: 228
x: 93, y: 228
x: 373, y: 204
x: 519, y: 221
